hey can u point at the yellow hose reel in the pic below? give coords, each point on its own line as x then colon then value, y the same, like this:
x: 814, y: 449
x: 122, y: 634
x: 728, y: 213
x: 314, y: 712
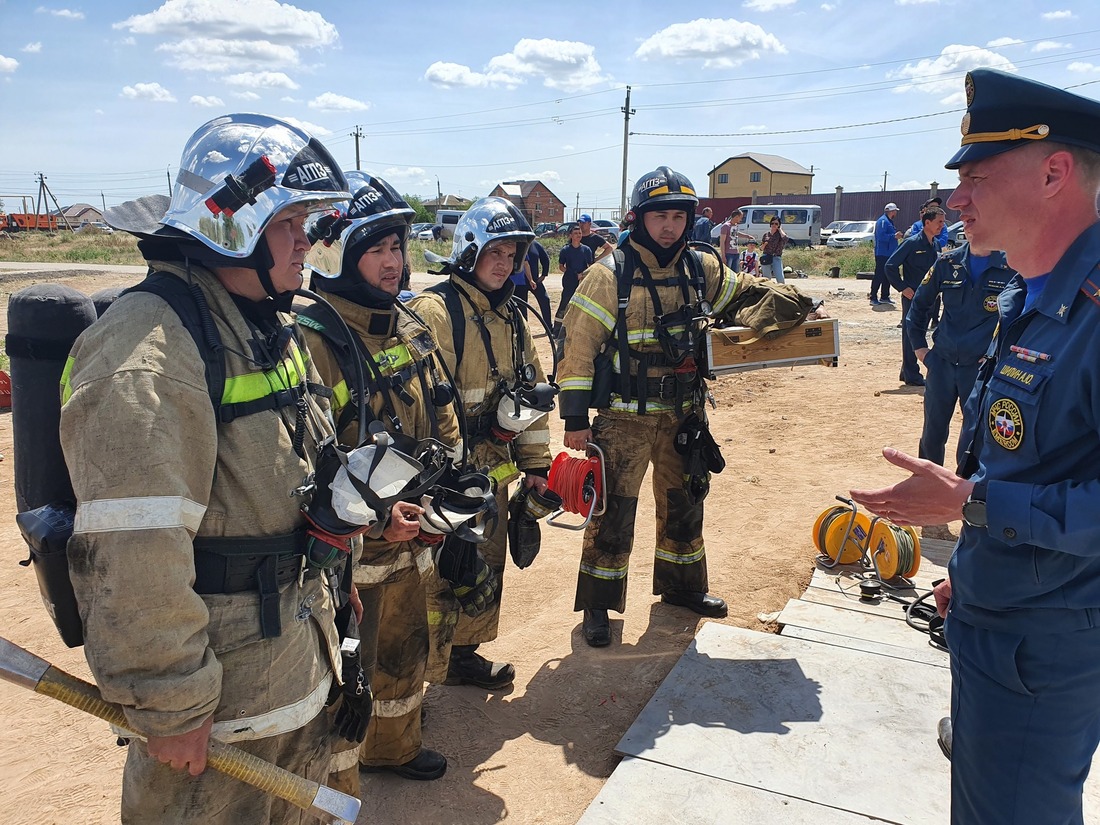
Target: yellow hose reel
x: 843, y: 535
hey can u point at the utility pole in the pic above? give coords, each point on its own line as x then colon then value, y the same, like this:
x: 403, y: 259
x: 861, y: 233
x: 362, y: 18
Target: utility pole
x: 438, y: 191
x: 168, y: 172
x: 627, y: 112
x: 884, y: 174
x: 357, y: 134
x: 44, y: 190
x: 103, y: 200
x: 577, y: 210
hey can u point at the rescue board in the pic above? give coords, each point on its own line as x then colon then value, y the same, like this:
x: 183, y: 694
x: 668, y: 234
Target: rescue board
x: 738, y: 349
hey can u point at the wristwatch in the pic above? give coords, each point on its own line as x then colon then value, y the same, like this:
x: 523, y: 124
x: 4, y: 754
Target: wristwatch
x: 974, y: 510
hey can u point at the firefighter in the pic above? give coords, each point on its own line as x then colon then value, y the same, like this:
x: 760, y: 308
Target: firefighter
x: 364, y: 255
x: 656, y: 388
x: 487, y: 345
x: 179, y: 492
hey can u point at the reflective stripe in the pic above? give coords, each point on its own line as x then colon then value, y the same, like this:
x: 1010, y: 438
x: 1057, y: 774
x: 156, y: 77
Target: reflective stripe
x: 394, y: 358
x: 394, y: 708
x: 424, y: 560
x: 533, y: 437
x: 606, y: 573
x: 650, y: 405
x: 473, y: 396
x: 590, y: 307
x: 66, y: 387
x: 141, y: 513
x: 344, y: 760
x: 251, y: 386
x: 680, y: 558
x: 576, y: 384
x: 275, y: 722
x: 438, y: 618
x: 341, y: 396
x: 729, y: 289
x: 504, y: 472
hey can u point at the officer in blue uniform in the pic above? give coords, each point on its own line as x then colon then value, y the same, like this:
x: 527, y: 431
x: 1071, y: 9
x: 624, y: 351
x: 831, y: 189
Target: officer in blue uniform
x: 1023, y: 597
x: 969, y: 284
x: 905, y: 270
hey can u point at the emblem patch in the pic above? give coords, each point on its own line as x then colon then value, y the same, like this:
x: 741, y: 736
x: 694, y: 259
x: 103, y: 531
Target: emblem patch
x: 966, y: 124
x: 990, y: 303
x: 968, y: 85
x: 1006, y: 423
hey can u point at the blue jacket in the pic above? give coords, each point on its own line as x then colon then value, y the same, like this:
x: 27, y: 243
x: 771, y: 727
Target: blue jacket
x: 1036, y: 567
x: 907, y: 267
x: 886, y: 241
x: 916, y: 227
x: 969, y: 309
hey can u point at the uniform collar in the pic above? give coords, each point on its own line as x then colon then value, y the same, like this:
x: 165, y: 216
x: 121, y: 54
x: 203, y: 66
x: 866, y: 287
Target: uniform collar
x: 1078, y: 270
x: 365, y: 322
x: 649, y: 259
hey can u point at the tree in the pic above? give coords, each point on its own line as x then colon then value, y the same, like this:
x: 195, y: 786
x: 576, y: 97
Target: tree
x: 422, y: 215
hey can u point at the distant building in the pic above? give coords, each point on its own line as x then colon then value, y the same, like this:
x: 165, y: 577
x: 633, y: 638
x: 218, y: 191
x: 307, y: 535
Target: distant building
x: 753, y: 175
x: 537, y: 203
x: 446, y: 202
x: 80, y: 214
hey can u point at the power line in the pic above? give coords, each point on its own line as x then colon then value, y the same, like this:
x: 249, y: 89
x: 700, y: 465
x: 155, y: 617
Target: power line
x: 798, y: 131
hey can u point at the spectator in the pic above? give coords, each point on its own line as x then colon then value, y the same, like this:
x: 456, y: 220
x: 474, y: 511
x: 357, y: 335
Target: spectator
x: 537, y: 266
x: 774, y: 242
x: 905, y: 269
x: 593, y: 241
x: 750, y: 261
x: 727, y: 240
x: 703, y: 226
x: 573, y: 260
x: 886, y: 244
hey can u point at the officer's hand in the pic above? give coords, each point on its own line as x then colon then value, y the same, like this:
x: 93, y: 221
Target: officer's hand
x: 818, y: 314
x: 920, y: 353
x: 908, y: 293
x: 404, y: 523
x: 187, y: 751
x: 578, y: 439
x: 942, y: 594
x: 931, y: 495
x: 538, y: 482
x: 355, y: 601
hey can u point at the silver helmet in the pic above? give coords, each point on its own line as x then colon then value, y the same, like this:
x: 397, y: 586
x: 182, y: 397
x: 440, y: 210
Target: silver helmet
x: 487, y: 221
x: 239, y: 170
x: 374, y: 208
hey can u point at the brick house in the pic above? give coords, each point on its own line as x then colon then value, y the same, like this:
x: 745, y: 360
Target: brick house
x: 537, y: 203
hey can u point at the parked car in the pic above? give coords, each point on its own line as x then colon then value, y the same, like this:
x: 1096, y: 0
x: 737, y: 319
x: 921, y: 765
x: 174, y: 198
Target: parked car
x: 853, y: 234
x: 429, y: 234
x: 606, y: 229
x: 417, y: 228
x: 546, y: 229
x: 956, y: 235
x: 832, y: 229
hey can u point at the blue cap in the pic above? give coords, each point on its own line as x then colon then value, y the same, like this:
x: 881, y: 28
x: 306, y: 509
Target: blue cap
x: 586, y: 219
x: 1005, y: 111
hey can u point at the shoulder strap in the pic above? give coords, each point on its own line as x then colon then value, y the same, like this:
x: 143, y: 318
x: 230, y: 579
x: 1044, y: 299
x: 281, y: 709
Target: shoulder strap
x: 453, y: 302
x: 189, y: 303
x: 624, y: 278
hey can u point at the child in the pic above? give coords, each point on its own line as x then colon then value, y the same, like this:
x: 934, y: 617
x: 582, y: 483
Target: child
x: 750, y: 262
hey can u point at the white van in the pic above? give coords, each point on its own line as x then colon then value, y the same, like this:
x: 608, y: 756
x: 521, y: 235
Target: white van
x: 801, y: 223
x: 446, y: 219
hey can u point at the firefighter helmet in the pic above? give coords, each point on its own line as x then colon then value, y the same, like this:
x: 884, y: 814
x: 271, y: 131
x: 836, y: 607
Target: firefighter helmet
x: 663, y: 188
x: 239, y: 170
x: 487, y: 221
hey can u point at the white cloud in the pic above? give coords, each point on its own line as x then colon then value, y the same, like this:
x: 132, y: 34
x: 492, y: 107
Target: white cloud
x: 916, y: 2
x: 148, y: 91
x: 943, y: 75
x: 261, y: 80
x: 721, y: 43
x: 408, y: 176
x: 64, y: 13
x: 828, y: 7
x: 1078, y: 66
x: 8, y: 64
x: 1003, y: 41
x: 562, y: 64
x: 767, y: 5
x: 1049, y: 46
x: 312, y: 128
x: 569, y: 147
x: 215, y: 55
x: 208, y: 102
x: 242, y: 19
x: 331, y: 102
x: 546, y: 175
x: 32, y: 48
x: 128, y: 41
x: 246, y: 95
x: 1064, y: 14
x: 910, y: 184
x: 752, y: 128
x: 289, y: 99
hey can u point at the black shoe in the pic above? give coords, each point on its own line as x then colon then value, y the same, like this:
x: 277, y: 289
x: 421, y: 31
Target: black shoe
x: 702, y: 603
x: 916, y: 382
x: 468, y: 667
x: 943, y: 736
x: 597, y: 628
x: 424, y: 766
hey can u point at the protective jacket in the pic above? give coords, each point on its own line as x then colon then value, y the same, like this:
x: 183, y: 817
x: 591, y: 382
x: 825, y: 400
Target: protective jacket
x: 1036, y: 567
x: 969, y: 308
x: 153, y: 469
x: 591, y: 318
x: 401, y: 345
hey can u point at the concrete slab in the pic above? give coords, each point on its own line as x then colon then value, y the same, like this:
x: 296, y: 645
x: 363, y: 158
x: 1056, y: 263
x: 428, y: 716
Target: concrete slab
x: 643, y: 791
x: 928, y: 656
x: 852, y: 623
x: 843, y: 728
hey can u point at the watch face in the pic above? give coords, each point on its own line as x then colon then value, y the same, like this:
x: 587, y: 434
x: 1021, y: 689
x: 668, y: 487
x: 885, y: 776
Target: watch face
x: 974, y: 513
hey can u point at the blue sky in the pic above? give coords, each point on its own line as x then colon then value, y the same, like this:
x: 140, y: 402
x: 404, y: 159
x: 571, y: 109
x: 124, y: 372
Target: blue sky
x: 462, y: 95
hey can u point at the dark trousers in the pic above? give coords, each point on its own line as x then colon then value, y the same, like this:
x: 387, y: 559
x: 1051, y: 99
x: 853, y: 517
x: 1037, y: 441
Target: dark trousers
x: 945, y: 386
x: 880, y: 287
x: 544, y: 301
x: 569, y: 284
x: 910, y: 372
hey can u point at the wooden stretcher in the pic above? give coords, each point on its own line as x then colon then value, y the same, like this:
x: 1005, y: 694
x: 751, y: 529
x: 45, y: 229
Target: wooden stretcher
x: 738, y: 349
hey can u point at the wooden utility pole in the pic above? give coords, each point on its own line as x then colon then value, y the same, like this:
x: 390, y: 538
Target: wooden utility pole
x: 357, y: 134
x: 624, y: 204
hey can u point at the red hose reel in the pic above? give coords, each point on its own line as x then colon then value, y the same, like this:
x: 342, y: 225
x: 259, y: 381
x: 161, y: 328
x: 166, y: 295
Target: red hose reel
x: 581, y: 483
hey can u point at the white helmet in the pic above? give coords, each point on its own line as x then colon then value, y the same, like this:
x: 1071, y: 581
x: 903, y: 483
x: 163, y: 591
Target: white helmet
x: 487, y: 221
x: 239, y: 170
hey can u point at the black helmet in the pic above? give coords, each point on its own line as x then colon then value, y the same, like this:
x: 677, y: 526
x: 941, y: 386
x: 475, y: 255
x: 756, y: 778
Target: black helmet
x: 663, y: 189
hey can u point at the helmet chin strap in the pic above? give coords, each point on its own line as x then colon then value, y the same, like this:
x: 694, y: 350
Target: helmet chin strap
x: 262, y: 262
x: 663, y: 255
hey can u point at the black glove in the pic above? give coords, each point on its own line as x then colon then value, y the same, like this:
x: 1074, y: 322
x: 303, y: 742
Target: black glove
x: 525, y: 508
x: 479, y: 591
x: 356, y: 702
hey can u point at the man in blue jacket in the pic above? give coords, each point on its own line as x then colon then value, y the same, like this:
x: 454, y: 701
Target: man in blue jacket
x: 969, y: 282
x: 886, y: 244
x: 905, y: 269
x: 1022, y: 600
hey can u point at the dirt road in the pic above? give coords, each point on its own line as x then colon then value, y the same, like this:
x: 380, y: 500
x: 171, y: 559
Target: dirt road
x: 793, y: 438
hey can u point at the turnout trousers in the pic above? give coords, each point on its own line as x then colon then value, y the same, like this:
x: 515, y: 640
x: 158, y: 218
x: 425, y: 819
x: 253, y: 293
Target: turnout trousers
x: 946, y: 385
x: 448, y: 624
x: 1025, y: 724
x: 630, y: 443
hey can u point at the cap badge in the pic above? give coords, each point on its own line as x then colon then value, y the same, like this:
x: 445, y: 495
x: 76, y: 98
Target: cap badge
x: 966, y: 124
x: 969, y: 86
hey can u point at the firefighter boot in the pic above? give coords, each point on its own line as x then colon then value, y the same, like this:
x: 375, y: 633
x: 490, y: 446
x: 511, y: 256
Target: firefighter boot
x: 426, y: 765
x: 702, y: 603
x: 943, y: 736
x: 596, y: 627
x: 468, y: 667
